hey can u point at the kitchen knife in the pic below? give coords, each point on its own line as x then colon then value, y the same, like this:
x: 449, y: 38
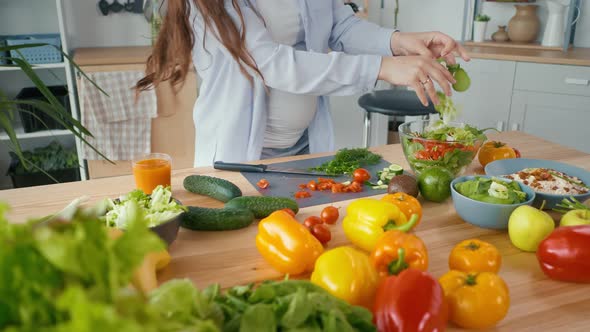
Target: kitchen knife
x: 262, y: 168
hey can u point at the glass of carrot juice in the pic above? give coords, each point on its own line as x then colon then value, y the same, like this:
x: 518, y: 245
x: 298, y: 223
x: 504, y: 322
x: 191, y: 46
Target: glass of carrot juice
x: 152, y: 170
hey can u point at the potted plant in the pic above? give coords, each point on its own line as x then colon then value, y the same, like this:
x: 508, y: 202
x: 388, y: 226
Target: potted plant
x: 51, y: 107
x: 52, y: 162
x: 479, y: 27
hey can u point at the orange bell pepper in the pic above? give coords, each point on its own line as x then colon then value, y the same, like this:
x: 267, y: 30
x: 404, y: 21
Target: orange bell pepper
x: 286, y: 244
x: 396, y: 251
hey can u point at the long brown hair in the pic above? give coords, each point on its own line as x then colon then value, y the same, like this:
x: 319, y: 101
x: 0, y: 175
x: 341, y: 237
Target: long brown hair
x: 171, y: 55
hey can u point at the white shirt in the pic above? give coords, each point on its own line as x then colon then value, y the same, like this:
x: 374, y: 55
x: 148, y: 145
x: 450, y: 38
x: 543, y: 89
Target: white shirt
x: 230, y: 115
x: 289, y: 114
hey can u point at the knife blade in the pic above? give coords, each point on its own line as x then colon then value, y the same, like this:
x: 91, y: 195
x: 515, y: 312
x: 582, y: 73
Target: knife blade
x: 262, y: 168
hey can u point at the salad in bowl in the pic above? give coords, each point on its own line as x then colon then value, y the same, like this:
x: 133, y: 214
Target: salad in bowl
x: 448, y: 145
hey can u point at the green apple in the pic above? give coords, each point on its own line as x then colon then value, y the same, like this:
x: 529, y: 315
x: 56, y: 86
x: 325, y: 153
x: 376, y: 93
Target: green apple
x: 575, y: 217
x: 528, y: 226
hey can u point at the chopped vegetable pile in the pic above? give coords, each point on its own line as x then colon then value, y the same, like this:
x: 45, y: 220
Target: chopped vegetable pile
x: 492, y: 190
x: 156, y: 208
x: 347, y: 160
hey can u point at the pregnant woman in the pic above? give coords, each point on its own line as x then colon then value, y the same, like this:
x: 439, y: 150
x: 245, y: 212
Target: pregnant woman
x: 267, y: 67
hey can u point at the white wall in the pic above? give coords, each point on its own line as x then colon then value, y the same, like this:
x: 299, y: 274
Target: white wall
x: 86, y: 26
x: 89, y: 28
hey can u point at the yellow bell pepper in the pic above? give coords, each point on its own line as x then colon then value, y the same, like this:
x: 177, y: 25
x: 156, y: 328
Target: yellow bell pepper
x: 367, y: 219
x: 348, y: 274
x: 286, y: 244
x: 144, y: 277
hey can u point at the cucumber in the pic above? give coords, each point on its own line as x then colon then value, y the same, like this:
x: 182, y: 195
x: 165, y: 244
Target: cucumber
x: 216, y: 188
x: 206, y: 219
x: 262, y: 206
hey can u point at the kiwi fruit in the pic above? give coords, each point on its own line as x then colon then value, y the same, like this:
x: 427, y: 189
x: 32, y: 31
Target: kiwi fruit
x: 403, y: 183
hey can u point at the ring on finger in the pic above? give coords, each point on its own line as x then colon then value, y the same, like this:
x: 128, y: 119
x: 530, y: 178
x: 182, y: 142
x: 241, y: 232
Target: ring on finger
x: 425, y: 81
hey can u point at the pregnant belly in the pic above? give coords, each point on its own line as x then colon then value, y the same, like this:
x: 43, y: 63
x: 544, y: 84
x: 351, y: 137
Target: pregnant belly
x: 288, y: 117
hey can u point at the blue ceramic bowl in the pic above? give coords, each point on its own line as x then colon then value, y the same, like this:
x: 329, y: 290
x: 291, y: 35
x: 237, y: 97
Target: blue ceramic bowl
x: 482, y: 214
x: 510, y: 166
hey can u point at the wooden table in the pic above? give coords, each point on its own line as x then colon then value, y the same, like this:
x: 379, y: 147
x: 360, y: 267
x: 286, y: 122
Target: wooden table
x: 231, y: 258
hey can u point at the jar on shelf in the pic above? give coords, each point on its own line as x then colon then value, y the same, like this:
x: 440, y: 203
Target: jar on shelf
x: 523, y: 27
x: 501, y: 35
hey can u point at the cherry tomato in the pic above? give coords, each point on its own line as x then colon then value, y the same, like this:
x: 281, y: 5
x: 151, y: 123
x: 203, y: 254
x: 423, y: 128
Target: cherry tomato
x: 262, y: 184
x: 325, y: 186
x: 322, y: 233
x: 361, y: 175
x: 302, y: 194
x: 303, y: 186
x: 289, y: 211
x: 311, y: 185
x: 329, y: 215
x: 312, y: 221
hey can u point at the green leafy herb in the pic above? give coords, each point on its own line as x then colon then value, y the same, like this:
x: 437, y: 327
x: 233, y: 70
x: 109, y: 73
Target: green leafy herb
x: 347, y: 160
x: 571, y: 203
x: 492, y: 190
x: 290, y: 305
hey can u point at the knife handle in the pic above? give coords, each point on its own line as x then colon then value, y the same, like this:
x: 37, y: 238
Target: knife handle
x: 236, y: 167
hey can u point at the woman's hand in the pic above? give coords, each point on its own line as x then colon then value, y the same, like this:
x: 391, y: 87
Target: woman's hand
x: 418, y: 73
x: 430, y: 44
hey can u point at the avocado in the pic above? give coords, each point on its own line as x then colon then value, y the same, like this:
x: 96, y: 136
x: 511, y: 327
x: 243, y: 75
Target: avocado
x: 403, y: 183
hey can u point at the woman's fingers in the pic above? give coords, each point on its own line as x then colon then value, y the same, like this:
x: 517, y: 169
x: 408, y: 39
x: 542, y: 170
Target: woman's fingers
x: 419, y: 88
x: 462, y: 52
x: 431, y: 91
x: 441, y: 76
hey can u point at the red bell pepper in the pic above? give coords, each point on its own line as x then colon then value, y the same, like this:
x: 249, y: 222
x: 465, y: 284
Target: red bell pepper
x: 565, y: 254
x: 411, y: 301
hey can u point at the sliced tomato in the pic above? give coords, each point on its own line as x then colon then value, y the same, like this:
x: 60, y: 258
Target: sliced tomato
x: 324, y: 186
x: 326, y: 180
x: 262, y: 184
x: 311, y: 185
x: 303, y: 186
x: 302, y: 194
x: 355, y: 187
x: 337, y: 188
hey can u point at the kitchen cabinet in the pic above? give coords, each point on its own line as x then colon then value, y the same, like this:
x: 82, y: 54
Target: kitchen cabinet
x: 487, y: 102
x: 552, y: 102
x: 562, y: 119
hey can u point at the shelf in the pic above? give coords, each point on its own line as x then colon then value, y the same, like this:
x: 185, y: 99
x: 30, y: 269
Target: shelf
x: 514, y: 2
x: 36, y: 67
x: 508, y: 44
x: 20, y: 133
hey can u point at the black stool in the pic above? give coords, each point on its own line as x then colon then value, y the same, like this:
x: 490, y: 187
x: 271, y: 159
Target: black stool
x: 392, y: 102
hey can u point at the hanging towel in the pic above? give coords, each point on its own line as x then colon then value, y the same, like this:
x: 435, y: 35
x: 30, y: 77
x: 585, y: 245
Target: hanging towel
x: 121, y: 126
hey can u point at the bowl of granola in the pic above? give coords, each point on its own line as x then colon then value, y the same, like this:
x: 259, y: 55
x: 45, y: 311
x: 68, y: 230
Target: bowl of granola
x: 552, y: 181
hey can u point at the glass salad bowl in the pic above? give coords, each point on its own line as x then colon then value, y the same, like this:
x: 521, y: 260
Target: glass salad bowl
x: 430, y: 143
